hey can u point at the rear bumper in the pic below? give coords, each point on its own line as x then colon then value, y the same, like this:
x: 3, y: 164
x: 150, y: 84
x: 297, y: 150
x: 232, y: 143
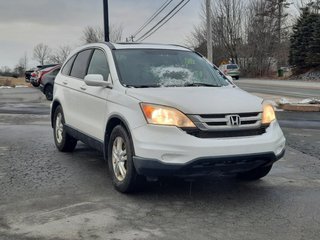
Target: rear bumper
x: 205, y: 166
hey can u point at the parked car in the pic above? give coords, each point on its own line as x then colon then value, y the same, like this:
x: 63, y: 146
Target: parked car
x: 232, y: 70
x: 47, y: 82
x: 27, y: 75
x: 39, y: 72
x: 159, y: 110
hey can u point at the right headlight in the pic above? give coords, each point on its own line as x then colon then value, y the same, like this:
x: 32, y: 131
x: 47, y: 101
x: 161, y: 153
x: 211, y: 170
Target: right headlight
x: 268, y: 114
x: 162, y: 115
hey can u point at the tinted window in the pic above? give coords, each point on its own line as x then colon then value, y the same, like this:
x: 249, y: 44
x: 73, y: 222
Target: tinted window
x: 80, y: 65
x: 99, y: 64
x: 67, y: 67
x: 55, y: 72
x: 232, y: 66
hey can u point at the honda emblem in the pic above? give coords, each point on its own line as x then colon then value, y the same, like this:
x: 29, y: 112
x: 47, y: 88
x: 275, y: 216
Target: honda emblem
x: 234, y: 120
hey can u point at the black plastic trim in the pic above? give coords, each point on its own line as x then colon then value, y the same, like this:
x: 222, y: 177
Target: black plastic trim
x: 91, y: 141
x: 204, y: 166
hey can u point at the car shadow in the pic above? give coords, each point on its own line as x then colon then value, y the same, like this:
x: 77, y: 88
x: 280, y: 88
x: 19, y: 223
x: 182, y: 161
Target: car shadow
x: 175, y: 188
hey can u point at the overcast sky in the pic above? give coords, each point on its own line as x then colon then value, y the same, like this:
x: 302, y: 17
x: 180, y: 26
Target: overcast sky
x: 25, y: 23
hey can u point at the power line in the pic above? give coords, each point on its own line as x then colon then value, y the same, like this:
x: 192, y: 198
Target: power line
x: 164, y: 6
x: 153, y: 30
x: 163, y: 19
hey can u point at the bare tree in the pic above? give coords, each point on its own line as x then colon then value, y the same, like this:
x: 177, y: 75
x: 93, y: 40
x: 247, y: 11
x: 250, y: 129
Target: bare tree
x: 228, y: 25
x: 228, y: 30
x: 23, y: 61
x: 21, y: 67
x: 41, y: 53
x: 60, y: 54
x: 96, y: 34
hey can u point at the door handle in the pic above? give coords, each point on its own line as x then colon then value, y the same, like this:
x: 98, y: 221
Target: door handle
x: 83, y: 88
x: 65, y: 83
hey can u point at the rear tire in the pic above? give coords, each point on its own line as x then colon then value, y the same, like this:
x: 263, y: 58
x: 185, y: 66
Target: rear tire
x: 120, y: 161
x: 48, y: 91
x: 255, y: 174
x: 35, y: 84
x: 64, y: 142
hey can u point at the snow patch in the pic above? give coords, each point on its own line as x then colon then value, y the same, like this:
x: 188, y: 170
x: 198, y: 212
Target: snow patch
x: 283, y: 101
x: 173, y: 76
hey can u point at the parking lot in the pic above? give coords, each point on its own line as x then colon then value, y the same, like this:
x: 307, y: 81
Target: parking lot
x: 45, y: 194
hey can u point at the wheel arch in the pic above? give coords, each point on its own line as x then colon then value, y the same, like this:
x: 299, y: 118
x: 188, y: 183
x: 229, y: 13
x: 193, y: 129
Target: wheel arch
x: 54, y: 106
x: 46, y: 85
x: 113, y: 121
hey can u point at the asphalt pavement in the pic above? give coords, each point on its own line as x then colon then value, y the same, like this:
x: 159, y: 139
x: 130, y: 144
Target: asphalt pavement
x: 48, y: 195
x: 285, y: 88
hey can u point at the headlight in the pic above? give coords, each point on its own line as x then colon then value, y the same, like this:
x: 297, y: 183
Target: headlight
x: 268, y: 114
x: 160, y: 115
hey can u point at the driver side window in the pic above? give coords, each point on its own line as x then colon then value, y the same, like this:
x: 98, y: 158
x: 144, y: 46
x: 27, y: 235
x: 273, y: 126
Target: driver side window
x: 99, y: 64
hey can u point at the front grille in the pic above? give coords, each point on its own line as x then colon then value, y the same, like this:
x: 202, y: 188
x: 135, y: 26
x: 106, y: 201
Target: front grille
x: 221, y: 125
x: 222, y: 122
x: 226, y: 134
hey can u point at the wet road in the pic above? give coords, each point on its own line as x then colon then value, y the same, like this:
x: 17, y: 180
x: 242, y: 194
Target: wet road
x: 281, y: 88
x: 50, y: 195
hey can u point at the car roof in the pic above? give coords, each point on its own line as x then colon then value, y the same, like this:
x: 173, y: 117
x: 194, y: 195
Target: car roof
x: 115, y: 46
x: 51, y: 68
x: 149, y: 46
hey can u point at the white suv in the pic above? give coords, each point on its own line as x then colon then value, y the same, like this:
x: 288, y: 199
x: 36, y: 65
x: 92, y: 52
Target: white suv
x: 159, y: 110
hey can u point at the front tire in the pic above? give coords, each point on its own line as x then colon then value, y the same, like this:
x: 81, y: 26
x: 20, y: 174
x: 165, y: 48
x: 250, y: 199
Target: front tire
x: 64, y: 142
x: 255, y: 174
x: 120, y: 161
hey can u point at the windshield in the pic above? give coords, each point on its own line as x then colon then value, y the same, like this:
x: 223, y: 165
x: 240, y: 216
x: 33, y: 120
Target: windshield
x: 166, y: 68
x: 232, y: 66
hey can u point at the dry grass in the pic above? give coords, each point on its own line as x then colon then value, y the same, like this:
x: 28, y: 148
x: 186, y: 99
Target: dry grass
x: 12, y: 82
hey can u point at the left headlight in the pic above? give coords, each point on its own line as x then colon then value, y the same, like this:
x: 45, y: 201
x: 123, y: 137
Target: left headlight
x: 161, y: 115
x: 268, y: 114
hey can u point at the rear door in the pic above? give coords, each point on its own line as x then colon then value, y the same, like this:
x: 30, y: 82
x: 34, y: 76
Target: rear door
x: 73, y: 95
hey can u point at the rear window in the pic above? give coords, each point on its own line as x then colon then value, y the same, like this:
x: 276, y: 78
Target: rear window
x: 232, y: 66
x: 55, y: 72
x: 80, y: 65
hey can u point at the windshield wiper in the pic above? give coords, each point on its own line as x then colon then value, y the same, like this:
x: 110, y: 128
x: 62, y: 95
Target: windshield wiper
x: 201, y: 85
x: 142, y: 86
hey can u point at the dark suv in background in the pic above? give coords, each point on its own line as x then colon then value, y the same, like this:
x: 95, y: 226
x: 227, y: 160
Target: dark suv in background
x: 47, y: 82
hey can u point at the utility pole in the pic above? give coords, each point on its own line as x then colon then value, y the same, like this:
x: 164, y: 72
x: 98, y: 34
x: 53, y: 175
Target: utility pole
x: 209, y: 31
x: 106, y: 20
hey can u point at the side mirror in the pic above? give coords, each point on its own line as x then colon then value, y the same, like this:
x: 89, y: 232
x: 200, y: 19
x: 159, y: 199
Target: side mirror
x: 96, y: 80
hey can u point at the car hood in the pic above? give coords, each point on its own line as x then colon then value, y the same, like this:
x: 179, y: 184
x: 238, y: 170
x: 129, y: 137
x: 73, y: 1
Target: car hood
x: 200, y: 100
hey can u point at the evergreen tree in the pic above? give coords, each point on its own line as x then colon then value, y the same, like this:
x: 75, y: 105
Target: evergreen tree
x: 304, y: 49
x: 313, y: 56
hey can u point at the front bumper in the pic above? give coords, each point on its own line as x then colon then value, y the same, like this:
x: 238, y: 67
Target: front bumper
x: 172, y: 148
x: 206, y: 166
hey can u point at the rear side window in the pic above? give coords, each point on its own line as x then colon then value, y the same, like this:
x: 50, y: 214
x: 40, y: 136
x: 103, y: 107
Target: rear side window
x: 55, y: 72
x: 80, y: 65
x: 99, y: 64
x: 67, y: 67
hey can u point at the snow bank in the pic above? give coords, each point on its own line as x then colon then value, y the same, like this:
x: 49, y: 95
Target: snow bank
x: 283, y: 101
